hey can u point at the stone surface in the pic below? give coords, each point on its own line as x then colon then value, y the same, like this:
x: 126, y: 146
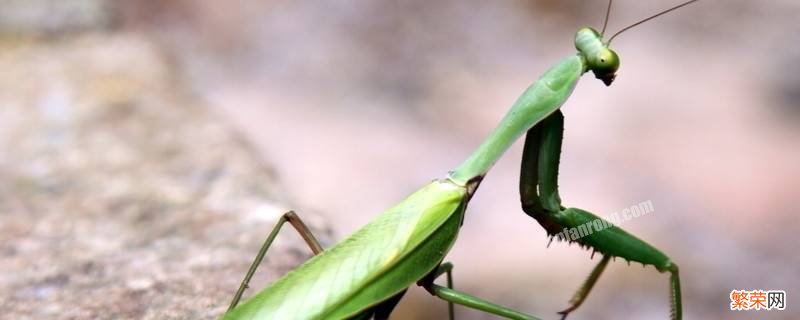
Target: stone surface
x: 121, y: 197
x: 48, y: 17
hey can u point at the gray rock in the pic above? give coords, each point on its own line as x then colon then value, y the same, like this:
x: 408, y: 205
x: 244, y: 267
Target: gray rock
x: 38, y: 17
x: 120, y: 196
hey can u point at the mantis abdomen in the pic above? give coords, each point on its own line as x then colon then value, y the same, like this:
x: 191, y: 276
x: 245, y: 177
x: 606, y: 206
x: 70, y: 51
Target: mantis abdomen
x: 381, y: 259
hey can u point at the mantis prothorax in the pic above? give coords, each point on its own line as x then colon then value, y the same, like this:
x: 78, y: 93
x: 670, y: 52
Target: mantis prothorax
x: 365, y: 275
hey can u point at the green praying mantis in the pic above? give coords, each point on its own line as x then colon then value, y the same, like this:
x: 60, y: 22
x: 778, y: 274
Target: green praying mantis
x: 365, y: 275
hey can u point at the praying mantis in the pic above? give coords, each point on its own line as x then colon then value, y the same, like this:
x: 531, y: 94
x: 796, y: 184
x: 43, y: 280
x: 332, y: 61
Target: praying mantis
x: 365, y: 275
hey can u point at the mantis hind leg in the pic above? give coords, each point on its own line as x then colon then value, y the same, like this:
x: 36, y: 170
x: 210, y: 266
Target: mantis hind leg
x: 541, y: 200
x: 454, y: 296
x: 298, y: 225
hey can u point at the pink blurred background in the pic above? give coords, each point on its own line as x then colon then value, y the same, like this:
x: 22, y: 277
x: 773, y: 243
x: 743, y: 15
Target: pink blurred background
x: 358, y: 103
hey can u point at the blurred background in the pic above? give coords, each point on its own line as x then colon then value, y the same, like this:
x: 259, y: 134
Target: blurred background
x: 147, y: 147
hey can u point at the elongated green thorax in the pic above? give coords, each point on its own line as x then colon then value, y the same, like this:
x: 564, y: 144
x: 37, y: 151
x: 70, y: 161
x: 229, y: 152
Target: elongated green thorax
x: 541, y: 99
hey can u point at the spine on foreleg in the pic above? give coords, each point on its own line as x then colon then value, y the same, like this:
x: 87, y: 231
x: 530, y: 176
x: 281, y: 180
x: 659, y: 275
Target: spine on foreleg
x: 592, y: 231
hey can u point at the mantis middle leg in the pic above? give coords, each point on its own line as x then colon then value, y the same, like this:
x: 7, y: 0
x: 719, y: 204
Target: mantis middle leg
x: 454, y: 296
x: 541, y: 200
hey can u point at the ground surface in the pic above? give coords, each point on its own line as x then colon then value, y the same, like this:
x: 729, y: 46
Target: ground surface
x: 121, y: 197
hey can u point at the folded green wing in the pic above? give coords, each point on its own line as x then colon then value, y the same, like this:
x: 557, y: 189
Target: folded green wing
x: 379, y: 260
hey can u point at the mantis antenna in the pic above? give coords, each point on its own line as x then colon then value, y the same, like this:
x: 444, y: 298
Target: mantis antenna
x: 608, y: 13
x: 646, y: 19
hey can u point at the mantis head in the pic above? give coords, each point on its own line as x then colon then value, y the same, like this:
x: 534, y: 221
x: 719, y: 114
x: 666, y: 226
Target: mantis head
x: 603, y: 61
x: 596, y: 55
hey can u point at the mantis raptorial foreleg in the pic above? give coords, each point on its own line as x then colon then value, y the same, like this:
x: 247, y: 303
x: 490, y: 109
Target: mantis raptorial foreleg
x: 454, y: 296
x: 298, y: 225
x: 540, y: 200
